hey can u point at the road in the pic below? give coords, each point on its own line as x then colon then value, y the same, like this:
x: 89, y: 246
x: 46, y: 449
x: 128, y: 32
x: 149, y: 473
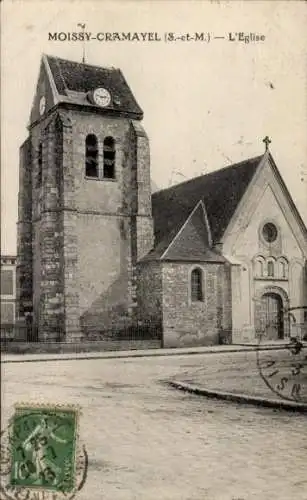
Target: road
x: 148, y: 442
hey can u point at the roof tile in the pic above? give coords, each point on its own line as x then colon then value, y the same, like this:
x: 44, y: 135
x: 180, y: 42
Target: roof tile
x: 71, y: 76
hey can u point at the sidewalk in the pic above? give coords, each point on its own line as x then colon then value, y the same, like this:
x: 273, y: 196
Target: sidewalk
x: 244, y: 382
x: 180, y: 351
x: 240, y: 398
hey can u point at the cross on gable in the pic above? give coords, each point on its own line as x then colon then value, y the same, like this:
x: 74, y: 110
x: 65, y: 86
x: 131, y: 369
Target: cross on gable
x: 267, y: 141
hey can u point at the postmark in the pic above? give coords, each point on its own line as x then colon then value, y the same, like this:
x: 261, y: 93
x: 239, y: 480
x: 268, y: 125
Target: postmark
x: 41, y: 455
x: 284, y: 369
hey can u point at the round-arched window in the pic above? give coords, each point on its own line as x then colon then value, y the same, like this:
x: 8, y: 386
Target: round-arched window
x: 269, y: 232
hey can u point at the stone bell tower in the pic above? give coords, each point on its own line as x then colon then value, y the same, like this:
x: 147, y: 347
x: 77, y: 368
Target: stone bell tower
x: 84, y: 202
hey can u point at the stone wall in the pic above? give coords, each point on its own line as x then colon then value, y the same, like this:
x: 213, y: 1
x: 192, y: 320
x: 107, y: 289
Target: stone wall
x: 51, y: 306
x: 195, y: 323
x: 69, y: 263
x: 78, y: 347
x: 149, y: 293
x: 46, y: 233
x: 142, y: 190
x: 107, y: 223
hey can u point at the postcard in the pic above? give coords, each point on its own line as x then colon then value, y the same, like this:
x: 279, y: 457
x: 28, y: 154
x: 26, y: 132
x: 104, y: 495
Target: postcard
x: 154, y: 250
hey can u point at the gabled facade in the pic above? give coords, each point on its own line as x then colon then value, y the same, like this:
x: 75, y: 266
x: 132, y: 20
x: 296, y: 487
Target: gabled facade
x: 267, y: 241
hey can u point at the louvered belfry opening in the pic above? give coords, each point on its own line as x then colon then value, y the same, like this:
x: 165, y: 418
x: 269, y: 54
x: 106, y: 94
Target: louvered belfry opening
x: 91, y: 156
x: 109, y: 158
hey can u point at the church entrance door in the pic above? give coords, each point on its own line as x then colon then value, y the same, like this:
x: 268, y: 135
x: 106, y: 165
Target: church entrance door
x: 272, y: 314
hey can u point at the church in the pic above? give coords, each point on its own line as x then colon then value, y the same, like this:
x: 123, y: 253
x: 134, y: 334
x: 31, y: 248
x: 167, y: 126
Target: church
x: 216, y: 259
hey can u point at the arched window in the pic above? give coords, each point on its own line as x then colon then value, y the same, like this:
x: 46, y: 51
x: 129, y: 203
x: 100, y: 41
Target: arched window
x: 91, y: 156
x: 282, y: 268
x: 260, y: 268
x: 109, y: 158
x: 270, y: 269
x: 196, y: 285
x: 40, y: 165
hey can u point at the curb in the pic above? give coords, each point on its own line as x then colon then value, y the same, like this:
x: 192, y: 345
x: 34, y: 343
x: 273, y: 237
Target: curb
x: 239, y: 398
x: 140, y: 354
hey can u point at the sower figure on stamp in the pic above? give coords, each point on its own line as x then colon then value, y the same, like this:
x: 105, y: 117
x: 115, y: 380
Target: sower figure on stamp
x: 38, y: 444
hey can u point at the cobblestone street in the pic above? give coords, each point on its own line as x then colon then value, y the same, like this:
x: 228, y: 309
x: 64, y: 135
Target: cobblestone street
x: 147, y: 441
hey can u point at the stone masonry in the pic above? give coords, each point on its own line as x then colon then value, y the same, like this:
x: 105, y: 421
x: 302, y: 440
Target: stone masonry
x: 201, y: 323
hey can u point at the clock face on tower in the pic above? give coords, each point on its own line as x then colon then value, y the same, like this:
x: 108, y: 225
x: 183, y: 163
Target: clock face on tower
x: 102, y: 97
x: 42, y: 105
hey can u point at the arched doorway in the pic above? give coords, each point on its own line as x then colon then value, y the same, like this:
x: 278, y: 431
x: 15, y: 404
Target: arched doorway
x: 271, y: 316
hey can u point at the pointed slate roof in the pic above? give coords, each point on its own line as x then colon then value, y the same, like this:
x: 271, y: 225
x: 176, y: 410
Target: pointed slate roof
x: 220, y: 192
x: 74, y: 79
x: 191, y: 243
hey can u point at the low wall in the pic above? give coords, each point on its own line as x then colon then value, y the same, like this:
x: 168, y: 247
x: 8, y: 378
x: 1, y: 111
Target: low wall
x: 62, y: 347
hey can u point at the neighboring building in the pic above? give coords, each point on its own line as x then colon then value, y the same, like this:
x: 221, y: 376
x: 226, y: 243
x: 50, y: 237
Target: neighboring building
x: 213, y: 259
x: 8, y: 294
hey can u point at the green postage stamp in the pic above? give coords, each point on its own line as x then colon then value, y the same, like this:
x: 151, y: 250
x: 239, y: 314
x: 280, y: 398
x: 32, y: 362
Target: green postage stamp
x: 42, y: 453
x: 43, y: 448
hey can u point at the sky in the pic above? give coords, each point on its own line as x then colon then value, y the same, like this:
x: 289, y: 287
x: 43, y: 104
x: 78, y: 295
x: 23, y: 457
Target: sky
x: 206, y: 104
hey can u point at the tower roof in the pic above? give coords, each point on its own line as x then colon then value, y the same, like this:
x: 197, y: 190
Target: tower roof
x: 71, y: 82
